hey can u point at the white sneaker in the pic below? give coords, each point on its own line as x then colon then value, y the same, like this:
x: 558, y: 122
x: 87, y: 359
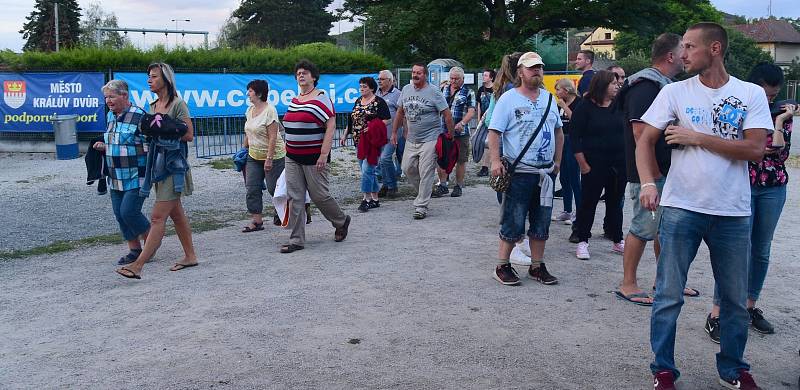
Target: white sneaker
x: 519, y: 258
x: 619, y: 247
x: 563, y: 217
x: 583, y: 251
x: 525, y: 247
x: 570, y: 220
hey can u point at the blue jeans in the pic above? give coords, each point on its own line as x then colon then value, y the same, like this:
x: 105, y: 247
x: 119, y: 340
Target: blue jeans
x: 570, y: 177
x: 388, y: 169
x: 369, y: 178
x: 127, y: 206
x: 680, y: 234
x: 766, y: 204
x: 521, y: 202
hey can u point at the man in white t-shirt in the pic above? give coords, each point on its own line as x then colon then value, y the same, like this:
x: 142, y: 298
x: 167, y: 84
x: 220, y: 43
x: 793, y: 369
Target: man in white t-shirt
x: 716, y: 124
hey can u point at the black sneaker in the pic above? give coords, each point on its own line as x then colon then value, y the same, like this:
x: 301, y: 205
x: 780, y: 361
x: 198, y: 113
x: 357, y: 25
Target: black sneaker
x: 758, y: 322
x: 712, y: 328
x: 382, y: 192
x: 364, y: 207
x: 439, y: 190
x: 506, y: 274
x: 541, y: 275
x: 573, y: 238
x: 484, y: 171
x: 456, y: 191
x: 374, y: 204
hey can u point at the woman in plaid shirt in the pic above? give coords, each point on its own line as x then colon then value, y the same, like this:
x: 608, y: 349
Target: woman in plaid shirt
x: 125, y: 158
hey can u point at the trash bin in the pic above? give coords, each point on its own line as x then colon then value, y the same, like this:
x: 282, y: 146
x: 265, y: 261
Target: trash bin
x: 66, y: 138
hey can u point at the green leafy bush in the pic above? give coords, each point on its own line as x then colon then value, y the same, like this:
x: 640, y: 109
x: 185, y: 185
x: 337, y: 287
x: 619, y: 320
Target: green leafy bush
x: 326, y: 56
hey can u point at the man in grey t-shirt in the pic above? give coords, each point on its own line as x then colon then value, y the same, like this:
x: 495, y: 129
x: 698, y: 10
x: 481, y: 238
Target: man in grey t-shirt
x: 421, y: 105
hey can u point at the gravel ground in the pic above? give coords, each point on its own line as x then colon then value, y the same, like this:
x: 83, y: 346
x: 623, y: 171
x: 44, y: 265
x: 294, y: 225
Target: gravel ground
x: 400, y: 304
x: 38, y: 194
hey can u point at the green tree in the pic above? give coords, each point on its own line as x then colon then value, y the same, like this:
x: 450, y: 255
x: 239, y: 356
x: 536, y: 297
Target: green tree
x: 743, y: 54
x: 478, y: 32
x: 228, y: 30
x: 682, y: 14
x: 281, y: 23
x: 39, y: 28
x: 95, y: 16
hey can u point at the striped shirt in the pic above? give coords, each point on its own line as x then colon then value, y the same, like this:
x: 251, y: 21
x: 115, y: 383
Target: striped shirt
x: 305, y: 128
x: 126, y: 156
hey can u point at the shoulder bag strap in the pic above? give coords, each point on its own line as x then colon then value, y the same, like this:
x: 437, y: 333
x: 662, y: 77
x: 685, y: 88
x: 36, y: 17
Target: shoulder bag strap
x: 535, y: 133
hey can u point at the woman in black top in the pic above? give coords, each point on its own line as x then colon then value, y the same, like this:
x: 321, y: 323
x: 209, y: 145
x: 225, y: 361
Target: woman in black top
x: 596, y: 132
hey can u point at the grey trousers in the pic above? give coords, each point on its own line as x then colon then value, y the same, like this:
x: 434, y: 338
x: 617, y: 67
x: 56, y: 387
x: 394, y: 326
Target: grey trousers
x: 255, y: 176
x: 419, y: 165
x: 299, y: 179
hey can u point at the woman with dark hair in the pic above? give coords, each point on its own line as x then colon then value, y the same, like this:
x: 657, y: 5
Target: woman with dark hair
x: 310, y: 123
x: 596, y: 132
x: 169, y: 191
x: 366, y: 108
x: 265, y: 152
x: 768, y: 179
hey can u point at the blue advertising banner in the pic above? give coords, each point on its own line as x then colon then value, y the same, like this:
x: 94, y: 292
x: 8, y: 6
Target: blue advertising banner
x: 225, y: 94
x: 31, y: 100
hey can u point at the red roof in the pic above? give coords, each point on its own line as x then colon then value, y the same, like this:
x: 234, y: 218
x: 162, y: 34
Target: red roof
x: 770, y: 31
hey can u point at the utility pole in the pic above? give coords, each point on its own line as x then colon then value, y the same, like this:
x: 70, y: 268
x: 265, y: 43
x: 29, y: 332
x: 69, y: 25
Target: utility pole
x: 176, y: 28
x: 55, y: 9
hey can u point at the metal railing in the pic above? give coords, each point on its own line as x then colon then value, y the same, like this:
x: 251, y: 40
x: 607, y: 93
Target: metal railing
x: 224, y: 135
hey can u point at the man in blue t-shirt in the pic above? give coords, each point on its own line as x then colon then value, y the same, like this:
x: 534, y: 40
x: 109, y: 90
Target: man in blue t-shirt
x: 515, y: 118
x: 584, y: 63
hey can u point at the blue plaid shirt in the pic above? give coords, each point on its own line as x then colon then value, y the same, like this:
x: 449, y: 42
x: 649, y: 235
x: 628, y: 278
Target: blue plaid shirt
x: 126, y: 155
x: 463, y: 101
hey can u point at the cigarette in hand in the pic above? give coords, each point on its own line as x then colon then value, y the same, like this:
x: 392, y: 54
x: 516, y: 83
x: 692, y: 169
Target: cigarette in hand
x: 653, y: 214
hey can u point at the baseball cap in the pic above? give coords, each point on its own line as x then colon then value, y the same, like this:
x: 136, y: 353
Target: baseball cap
x: 530, y: 59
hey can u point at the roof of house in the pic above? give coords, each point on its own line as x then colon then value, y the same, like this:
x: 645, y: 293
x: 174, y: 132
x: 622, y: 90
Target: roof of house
x: 599, y: 42
x: 770, y: 31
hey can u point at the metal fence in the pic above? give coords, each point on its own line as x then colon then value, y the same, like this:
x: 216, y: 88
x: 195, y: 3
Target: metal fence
x: 224, y: 135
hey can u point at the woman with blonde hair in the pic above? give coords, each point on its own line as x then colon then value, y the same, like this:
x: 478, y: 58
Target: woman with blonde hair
x: 569, y: 176
x: 161, y: 79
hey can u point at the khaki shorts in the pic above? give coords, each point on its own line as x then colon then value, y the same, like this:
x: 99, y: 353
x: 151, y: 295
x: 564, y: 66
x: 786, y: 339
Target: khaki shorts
x: 165, y: 190
x: 463, y: 148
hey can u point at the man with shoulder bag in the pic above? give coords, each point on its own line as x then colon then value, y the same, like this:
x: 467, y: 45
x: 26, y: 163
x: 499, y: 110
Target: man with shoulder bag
x: 527, y: 122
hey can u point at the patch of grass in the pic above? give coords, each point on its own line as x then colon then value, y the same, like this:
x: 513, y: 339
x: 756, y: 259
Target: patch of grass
x: 202, y: 221
x: 222, y: 163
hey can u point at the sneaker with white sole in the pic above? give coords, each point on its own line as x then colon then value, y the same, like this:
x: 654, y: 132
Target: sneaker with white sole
x: 563, y: 217
x: 619, y: 247
x: 582, y: 252
x: 744, y: 382
x: 518, y: 257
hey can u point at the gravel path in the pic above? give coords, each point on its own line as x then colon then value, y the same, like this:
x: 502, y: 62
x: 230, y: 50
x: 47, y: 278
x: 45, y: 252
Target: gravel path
x: 400, y: 304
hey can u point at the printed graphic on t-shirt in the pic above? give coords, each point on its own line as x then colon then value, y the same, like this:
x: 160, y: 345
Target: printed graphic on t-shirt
x: 725, y: 119
x: 525, y: 116
x: 414, y: 107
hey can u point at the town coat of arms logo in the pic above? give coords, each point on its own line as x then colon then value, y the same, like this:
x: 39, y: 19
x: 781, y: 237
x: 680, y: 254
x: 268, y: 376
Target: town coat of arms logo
x: 14, y: 93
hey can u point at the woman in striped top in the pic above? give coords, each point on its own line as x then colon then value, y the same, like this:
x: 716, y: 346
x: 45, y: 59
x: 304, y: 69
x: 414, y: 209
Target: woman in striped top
x: 310, y: 123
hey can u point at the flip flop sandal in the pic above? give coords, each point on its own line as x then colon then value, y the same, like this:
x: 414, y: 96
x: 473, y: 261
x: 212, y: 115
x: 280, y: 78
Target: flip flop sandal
x: 256, y: 227
x: 128, y: 273
x: 695, y: 292
x: 179, y: 266
x: 630, y: 298
x: 291, y: 248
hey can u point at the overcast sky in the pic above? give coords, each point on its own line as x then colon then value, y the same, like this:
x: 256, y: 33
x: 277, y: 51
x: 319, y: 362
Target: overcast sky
x: 209, y: 15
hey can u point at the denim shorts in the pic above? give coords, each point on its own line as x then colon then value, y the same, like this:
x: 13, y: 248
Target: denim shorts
x: 643, y: 225
x: 521, y: 202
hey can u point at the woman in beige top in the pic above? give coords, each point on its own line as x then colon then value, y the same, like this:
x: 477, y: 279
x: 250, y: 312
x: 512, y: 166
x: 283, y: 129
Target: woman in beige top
x: 161, y: 80
x: 266, y: 152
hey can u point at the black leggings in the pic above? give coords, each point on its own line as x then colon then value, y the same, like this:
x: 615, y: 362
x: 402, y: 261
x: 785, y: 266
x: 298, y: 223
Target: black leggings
x: 612, y: 178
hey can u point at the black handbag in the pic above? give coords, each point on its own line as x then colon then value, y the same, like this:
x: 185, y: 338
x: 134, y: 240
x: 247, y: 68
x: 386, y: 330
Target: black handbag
x: 503, y: 182
x: 162, y: 126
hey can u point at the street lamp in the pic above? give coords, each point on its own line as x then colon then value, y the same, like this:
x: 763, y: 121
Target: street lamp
x: 176, y: 28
